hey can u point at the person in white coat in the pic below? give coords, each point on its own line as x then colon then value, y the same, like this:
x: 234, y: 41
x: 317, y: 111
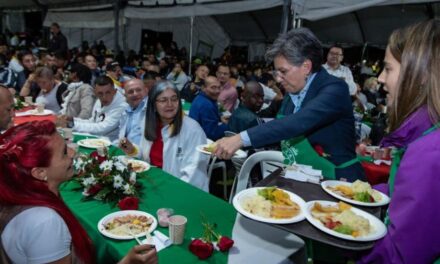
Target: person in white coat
x: 171, y: 138
x: 105, y: 114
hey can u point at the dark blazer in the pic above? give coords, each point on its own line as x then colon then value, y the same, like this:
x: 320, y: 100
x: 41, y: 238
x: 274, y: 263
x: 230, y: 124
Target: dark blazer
x: 325, y: 118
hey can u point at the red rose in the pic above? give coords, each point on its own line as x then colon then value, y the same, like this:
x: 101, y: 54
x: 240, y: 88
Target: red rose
x: 320, y: 150
x: 225, y: 243
x: 201, y: 249
x: 98, y: 157
x: 129, y: 203
x: 94, y: 189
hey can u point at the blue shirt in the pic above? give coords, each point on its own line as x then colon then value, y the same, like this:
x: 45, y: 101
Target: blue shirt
x: 297, y: 100
x: 134, y: 121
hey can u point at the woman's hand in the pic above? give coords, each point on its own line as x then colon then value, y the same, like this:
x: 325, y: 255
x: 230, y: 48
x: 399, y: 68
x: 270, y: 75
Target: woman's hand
x: 127, y: 146
x: 227, y: 146
x: 142, y: 254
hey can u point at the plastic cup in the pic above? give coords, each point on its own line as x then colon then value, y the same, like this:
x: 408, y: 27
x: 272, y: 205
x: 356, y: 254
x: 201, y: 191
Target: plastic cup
x: 40, y: 108
x: 177, y: 224
x: 28, y: 100
x: 68, y: 134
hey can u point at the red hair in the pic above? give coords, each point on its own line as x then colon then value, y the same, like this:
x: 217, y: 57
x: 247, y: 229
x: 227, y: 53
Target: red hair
x: 23, y: 148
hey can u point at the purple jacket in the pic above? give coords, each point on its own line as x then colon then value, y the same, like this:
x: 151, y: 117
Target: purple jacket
x: 414, y: 233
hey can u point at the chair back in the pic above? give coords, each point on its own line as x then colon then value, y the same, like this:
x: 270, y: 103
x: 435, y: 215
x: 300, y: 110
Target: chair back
x: 241, y: 182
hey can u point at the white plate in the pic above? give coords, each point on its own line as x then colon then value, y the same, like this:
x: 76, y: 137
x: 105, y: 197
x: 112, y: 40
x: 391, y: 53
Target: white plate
x: 238, y: 199
x: 94, y: 143
x: 378, y: 229
x: 238, y: 154
x: 385, y: 199
x: 34, y: 112
x: 145, y: 165
x: 109, y: 217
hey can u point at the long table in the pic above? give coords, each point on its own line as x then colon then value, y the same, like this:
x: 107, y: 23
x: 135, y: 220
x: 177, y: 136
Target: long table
x: 159, y: 190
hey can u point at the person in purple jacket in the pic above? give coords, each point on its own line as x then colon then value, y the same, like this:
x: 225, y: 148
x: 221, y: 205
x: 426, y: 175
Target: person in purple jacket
x: 411, y: 78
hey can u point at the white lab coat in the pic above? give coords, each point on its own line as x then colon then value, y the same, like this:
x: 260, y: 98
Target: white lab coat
x: 180, y: 157
x: 104, y: 120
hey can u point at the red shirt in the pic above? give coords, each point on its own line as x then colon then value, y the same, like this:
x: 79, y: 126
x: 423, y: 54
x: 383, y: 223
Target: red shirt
x: 156, y: 152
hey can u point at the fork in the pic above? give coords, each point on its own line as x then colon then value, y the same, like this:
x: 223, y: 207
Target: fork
x: 135, y: 237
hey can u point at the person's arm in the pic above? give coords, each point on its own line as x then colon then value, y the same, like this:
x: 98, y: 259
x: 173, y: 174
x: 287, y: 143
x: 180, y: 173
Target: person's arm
x: 194, y: 163
x: 26, y: 89
x: 141, y: 254
x: 110, y: 122
x: 330, y: 104
x: 86, y: 103
x: 413, y: 235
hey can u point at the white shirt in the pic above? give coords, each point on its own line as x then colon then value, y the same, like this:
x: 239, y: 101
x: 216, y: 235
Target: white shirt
x: 49, y: 99
x: 104, y: 120
x: 36, y: 235
x: 344, y: 73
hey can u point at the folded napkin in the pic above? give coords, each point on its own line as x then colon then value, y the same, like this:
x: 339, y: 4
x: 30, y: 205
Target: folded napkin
x: 303, y: 173
x: 159, y: 240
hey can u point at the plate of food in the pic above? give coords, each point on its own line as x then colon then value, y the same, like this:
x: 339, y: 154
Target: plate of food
x: 270, y: 205
x: 138, y: 165
x: 344, y: 221
x: 209, y: 148
x: 94, y: 143
x: 127, y: 224
x: 358, y: 192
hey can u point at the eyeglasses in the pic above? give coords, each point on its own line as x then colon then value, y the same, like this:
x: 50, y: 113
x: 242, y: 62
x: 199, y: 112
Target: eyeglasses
x: 164, y: 100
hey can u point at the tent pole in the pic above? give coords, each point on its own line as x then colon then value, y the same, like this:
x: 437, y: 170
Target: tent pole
x: 116, y: 15
x: 285, y: 18
x: 191, y: 45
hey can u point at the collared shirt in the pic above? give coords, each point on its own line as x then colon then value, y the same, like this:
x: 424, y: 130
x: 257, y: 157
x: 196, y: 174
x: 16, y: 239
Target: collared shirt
x: 297, y: 100
x: 133, y: 128
x: 344, y: 73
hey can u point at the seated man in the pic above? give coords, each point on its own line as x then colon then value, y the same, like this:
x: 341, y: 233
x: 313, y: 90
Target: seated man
x: 205, y: 111
x: 245, y: 116
x: 105, y: 114
x: 132, y: 122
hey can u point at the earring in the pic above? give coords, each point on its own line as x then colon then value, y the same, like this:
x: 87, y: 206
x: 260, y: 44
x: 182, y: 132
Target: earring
x: 45, y: 178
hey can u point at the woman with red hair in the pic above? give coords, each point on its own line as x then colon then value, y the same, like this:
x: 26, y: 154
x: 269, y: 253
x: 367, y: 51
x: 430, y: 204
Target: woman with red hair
x: 35, y: 224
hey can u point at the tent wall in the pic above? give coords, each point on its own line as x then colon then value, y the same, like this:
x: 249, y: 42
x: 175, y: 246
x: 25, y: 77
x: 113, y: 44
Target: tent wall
x: 206, y: 30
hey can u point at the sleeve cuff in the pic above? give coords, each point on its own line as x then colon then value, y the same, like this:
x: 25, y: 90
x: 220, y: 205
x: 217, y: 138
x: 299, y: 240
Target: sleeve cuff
x: 245, y: 139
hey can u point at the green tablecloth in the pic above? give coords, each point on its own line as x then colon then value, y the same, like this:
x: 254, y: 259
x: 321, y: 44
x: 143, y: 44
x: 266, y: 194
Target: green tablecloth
x: 159, y: 190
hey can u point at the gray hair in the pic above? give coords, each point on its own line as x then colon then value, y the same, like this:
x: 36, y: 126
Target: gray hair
x: 296, y: 46
x: 152, y: 116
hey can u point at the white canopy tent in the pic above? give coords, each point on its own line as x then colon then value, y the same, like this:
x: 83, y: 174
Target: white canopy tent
x: 218, y: 23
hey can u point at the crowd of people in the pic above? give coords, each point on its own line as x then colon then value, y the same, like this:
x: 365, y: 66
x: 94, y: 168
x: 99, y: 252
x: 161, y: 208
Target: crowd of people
x: 137, y: 102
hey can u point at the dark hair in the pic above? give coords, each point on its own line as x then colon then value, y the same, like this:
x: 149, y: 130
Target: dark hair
x: 55, y: 24
x: 59, y: 55
x: 83, y: 72
x: 336, y: 46
x: 296, y: 46
x: 104, y: 80
x: 22, y: 53
x: 150, y: 75
x: 223, y: 65
x: 112, y: 66
x: 152, y: 117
